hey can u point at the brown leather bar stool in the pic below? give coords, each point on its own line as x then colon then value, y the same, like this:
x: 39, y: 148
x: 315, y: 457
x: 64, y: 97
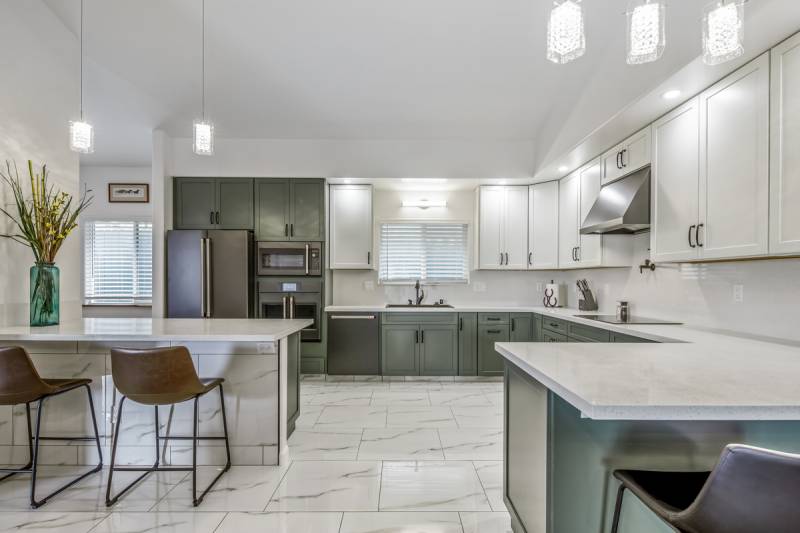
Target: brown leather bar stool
x: 750, y: 490
x: 20, y: 384
x: 162, y: 376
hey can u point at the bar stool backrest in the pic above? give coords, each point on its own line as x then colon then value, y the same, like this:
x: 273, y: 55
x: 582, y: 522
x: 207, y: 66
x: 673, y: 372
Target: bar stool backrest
x: 156, y: 371
x: 750, y: 490
x: 19, y: 380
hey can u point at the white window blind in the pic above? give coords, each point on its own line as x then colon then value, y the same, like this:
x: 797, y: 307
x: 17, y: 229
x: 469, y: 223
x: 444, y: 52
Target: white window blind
x: 118, y: 262
x: 428, y: 251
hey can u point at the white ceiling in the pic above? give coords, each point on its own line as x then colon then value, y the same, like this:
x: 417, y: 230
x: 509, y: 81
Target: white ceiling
x: 361, y: 69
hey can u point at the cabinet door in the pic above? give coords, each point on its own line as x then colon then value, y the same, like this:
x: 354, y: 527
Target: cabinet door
x: 734, y: 176
x: 490, y: 363
x: 399, y: 347
x: 195, y: 203
x: 521, y: 327
x: 784, y: 142
x: 490, y: 227
x: 568, y: 204
x: 438, y: 350
x: 235, y: 203
x: 515, y: 228
x: 611, y: 164
x: 272, y: 196
x: 590, y: 247
x: 537, y: 328
x: 307, y: 210
x: 636, y: 152
x: 676, y: 178
x: 351, y: 226
x: 543, y: 234
x: 468, y: 344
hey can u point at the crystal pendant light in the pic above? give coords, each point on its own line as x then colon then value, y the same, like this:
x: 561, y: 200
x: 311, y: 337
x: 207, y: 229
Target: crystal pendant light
x: 723, y: 31
x: 81, y: 133
x: 203, y: 134
x: 565, y: 37
x: 646, y: 34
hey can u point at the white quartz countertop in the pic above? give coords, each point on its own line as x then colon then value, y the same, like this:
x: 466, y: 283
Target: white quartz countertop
x: 154, y: 329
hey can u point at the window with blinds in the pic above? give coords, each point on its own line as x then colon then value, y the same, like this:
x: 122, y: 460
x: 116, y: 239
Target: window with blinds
x: 435, y: 252
x: 118, y: 263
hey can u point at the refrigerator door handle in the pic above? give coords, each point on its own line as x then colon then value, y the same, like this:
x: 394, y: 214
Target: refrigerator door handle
x: 308, y: 267
x: 283, y: 302
x: 209, y: 300
x: 291, y: 307
x: 203, y: 275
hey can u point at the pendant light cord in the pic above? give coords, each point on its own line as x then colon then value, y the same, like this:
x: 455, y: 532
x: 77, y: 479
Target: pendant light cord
x: 203, y: 61
x: 81, y: 87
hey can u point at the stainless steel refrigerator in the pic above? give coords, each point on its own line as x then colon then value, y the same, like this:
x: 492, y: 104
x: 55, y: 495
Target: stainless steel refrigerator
x: 210, y: 274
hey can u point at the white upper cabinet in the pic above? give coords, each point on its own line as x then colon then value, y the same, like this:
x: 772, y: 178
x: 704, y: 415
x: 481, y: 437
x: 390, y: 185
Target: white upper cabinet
x: 543, y: 226
x: 503, y: 227
x: 351, y: 227
x: 631, y: 154
x: 568, y: 213
x: 734, y: 170
x: 785, y: 148
x: 590, y: 247
x: 676, y: 184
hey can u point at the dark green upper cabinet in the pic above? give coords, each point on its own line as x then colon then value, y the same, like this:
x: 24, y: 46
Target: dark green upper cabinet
x: 235, y: 201
x: 195, y: 203
x: 438, y: 354
x: 213, y: 203
x: 307, y: 210
x: 290, y: 210
x: 522, y: 327
x: 272, y: 222
x: 468, y: 344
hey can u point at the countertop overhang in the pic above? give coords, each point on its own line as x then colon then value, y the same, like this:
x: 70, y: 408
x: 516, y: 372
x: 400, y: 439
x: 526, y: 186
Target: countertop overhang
x: 159, y: 329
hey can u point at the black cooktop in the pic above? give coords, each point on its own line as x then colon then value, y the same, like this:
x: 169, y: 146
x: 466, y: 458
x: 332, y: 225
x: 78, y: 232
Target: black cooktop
x: 612, y: 319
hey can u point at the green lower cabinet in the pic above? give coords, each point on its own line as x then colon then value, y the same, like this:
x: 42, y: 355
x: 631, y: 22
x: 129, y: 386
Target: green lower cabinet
x: 438, y: 350
x: 537, y: 328
x: 521, y: 327
x: 400, y: 349
x: 621, y: 337
x: 490, y: 363
x: 549, y: 336
x: 468, y: 344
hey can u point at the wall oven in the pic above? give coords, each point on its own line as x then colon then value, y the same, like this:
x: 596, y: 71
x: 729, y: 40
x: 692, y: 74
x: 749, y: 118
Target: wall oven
x: 289, y: 259
x: 293, y: 298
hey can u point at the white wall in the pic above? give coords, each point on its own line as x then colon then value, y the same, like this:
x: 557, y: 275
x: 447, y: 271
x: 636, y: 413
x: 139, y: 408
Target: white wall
x: 700, y: 295
x: 38, y: 98
x: 97, y: 178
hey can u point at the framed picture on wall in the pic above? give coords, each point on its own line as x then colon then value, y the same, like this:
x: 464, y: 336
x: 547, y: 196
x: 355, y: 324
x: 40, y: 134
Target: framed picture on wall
x: 136, y: 193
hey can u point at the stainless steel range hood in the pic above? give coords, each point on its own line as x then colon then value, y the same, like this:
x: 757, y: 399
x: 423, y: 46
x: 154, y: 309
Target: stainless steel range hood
x: 623, y: 206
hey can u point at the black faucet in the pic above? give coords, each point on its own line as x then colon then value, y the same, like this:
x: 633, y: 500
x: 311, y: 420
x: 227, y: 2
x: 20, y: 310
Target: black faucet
x: 420, y: 293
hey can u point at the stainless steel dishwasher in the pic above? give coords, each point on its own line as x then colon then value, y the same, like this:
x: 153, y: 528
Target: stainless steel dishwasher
x: 354, y: 344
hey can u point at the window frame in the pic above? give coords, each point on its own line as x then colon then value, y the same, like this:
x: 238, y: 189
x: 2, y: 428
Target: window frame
x: 83, y: 223
x: 467, y: 249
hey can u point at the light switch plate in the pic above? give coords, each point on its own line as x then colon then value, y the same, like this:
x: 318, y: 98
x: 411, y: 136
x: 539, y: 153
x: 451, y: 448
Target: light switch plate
x: 369, y: 285
x: 738, y: 293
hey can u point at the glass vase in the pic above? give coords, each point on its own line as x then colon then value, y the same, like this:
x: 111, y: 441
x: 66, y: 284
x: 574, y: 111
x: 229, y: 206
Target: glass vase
x: 44, y: 294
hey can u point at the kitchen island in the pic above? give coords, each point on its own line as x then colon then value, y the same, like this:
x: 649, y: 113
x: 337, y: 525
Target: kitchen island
x: 259, y: 360
x: 574, y: 412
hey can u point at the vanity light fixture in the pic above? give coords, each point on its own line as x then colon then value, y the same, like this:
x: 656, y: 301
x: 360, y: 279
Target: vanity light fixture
x: 723, y: 31
x: 672, y: 94
x: 646, y: 31
x: 203, y: 137
x: 566, y: 40
x: 81, y: 133
x: 424, y: 203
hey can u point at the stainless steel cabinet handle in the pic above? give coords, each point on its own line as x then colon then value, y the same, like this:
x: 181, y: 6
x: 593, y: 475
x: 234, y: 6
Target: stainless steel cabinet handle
x: 697, y: 235
x: 307, y: 259
x: 209, y: 274
x: 352, y: 317
x: 283, y: 302
x: 690, y: 236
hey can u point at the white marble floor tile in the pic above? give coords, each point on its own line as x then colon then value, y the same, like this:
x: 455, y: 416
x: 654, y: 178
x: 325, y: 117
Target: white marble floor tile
x: 401, y: 398
x: 43, y: 521
x: 491, y: 475
x: 160, y: 523
x: 472, y: 444
x: 352, y: 416
x: 281, y: 523
x: 431, y: 486
x: 308, y: 415
x: 479, y: 416
x: 364, y: 386
x: 420, y: 417
x: 411, y: 386
x: 427, y: 522
x: 495, y: 398
x: 486, y: 522
x: 339, y: 397
x: 242, y: 488
x: 329, y: 486
x: 324, y: 444
x: 451, y: 398
x: 400, y: 444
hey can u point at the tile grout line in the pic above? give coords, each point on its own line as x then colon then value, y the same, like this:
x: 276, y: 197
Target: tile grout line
x: 278, y: 485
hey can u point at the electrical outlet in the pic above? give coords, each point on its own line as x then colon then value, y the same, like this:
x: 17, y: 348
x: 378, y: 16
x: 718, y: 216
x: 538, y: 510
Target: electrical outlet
x: 267, y: 348
x: 369, y: 285
x: 738, y: 293
x: 539, y: 286
x: 479, y: 286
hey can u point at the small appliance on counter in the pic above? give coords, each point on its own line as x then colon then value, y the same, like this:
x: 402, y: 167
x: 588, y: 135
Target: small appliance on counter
x: 587, y: 302
x: 555, y: 295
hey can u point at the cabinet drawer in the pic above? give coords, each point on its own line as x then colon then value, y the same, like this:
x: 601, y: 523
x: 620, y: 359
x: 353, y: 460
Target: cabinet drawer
x: 548, y: 336
x: 554, y: 325
x: 621, y: 337
x: 488, y: 319
x: 588, y: 333
x: 420, y: 318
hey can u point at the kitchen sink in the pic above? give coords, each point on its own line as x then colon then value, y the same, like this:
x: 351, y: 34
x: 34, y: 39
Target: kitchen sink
x: 421, y: 306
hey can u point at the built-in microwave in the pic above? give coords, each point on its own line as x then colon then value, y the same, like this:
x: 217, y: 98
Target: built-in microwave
x: 289, y: 259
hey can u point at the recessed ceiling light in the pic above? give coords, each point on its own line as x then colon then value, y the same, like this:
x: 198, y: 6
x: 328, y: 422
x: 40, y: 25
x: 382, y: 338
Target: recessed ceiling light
x: 671, y: 94
x: 563, y: 168
x: 423, y: 180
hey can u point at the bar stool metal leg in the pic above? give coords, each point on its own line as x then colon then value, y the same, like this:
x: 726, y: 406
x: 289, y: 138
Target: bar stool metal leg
x: 617, y: 509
